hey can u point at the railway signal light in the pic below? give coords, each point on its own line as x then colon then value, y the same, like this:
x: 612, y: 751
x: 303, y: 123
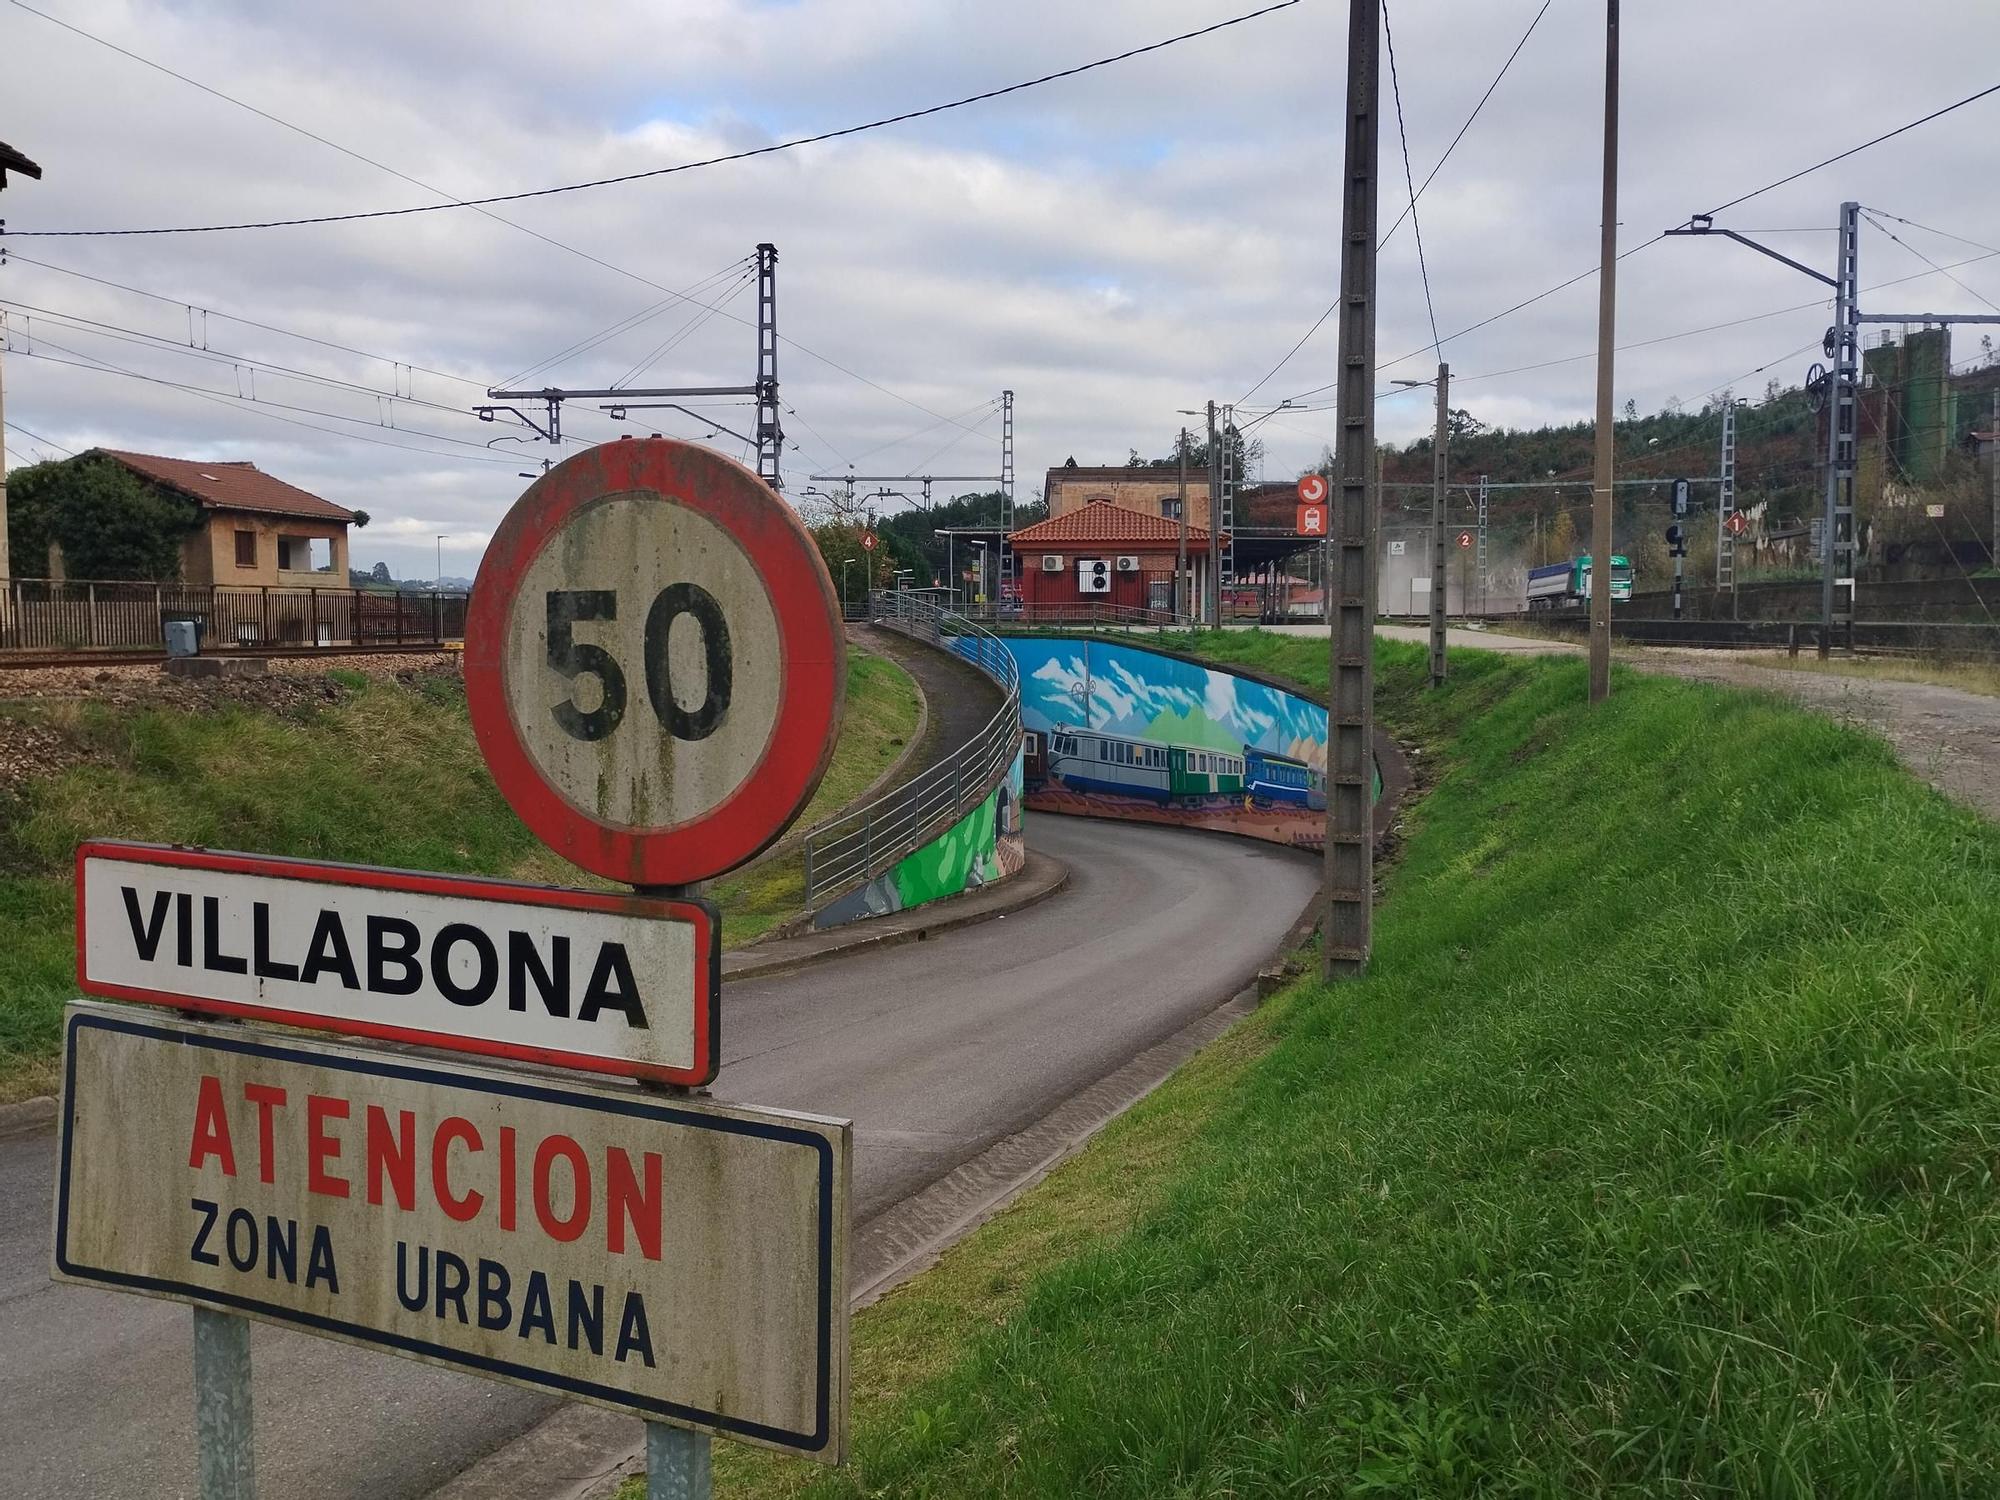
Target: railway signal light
x: 1683, y: 491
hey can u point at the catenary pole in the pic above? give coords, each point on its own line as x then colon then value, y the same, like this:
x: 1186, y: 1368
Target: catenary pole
x: 1212, y: 602
x: 1180, y: 567
x: 1348, y: 869
x: 1439, y: 552
x: 1607, y: 308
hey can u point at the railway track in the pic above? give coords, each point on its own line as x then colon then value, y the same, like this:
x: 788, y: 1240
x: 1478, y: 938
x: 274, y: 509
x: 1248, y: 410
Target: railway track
x: 24, y: 660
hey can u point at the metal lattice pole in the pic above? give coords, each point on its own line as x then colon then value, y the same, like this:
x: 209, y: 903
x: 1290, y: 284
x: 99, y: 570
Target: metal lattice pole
x: 770, y: 433
x: 1485, y: 575
x: 1226, y: 524
x: 1006, y: 492
x: 1725, y: 542
x: 1837, y: 519
x: 1347, y: 878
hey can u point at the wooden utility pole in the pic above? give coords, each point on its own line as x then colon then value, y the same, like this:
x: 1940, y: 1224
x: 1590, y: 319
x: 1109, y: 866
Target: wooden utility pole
x: 10, y: 161
x: 1607, y: 310
x: 1347, y: 878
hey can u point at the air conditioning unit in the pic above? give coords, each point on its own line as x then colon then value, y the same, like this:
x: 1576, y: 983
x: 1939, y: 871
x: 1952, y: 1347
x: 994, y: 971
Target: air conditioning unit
x: 1052, y: 562
x: 1128, y: 564
x: 1093, y: 576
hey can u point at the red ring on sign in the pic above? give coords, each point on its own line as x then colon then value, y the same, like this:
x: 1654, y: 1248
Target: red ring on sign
x: 812, y: 654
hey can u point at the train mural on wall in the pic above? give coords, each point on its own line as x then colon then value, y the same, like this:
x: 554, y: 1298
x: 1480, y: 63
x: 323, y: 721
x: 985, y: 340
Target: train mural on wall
x: 1117, y: 731
x: 1170, y: 775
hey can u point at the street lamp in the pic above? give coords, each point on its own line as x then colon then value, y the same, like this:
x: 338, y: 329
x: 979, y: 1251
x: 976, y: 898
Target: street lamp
x: 845, y: 564
x: 437, y: 591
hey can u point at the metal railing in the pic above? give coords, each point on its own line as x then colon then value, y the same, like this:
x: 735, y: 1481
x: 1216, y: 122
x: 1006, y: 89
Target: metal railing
x: 866, y: 841
x: 1082, y: 616
x: 80, y: 614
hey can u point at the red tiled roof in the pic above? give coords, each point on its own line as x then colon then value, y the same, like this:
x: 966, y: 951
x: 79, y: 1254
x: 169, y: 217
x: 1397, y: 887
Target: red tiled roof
x: 1108, y: 524
x: 229, y: 486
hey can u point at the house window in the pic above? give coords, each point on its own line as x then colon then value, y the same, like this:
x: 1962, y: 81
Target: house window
x: 246, y: 549
x: 1097, y: 500
x: 1170, y: 507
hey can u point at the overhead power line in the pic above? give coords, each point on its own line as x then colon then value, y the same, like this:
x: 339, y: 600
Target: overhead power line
x: 1409, y: 207
x: 679, y: 167
x: 263, y: 408
x: 51, y: 442
x: 1969, y: 291
x: 1409, y: 178
x: 1852, y: 150
x: 1592, y: 271
x: 455, y: 201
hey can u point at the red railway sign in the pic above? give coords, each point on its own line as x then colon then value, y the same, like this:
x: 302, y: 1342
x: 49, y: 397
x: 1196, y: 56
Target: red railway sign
x: 1312, y: 519
x: 1312, y: 490
x: 1736, y: 524
x: 868, y: 540
x: 654, y: 661
x: 1465, y: 539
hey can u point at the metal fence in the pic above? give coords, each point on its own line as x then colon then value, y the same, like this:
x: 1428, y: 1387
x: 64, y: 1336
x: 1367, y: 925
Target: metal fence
x: 865, y: 842
x: 74, y: 614
x: 1082, y: 615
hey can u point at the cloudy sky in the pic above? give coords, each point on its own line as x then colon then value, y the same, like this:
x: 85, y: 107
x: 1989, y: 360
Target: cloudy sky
x: 1113, y: 247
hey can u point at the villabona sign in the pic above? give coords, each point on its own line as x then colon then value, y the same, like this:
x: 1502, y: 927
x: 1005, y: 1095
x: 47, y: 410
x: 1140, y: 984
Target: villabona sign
x: 609, y: 982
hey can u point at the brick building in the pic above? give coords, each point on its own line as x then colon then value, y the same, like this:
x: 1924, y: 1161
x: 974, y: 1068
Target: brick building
x: 1147, y: 490
x: 1132, y: 554
x: 255, y: 528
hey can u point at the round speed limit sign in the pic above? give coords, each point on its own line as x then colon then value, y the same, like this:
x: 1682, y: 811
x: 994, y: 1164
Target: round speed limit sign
x: 654, y: 661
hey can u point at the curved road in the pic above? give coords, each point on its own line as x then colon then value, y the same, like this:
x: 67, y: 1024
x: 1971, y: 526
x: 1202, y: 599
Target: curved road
x: 934, y: 1050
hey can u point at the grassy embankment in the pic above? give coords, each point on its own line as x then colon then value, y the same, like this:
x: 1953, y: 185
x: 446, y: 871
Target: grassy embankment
x: 386, y: 774
x: 1655, y: 1155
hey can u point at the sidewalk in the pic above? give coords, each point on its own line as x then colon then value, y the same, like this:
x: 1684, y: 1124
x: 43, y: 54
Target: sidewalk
x: 1040, y: 878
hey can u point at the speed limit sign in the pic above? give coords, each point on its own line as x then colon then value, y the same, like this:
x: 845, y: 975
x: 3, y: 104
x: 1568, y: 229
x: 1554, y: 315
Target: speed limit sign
x: 654, y: 661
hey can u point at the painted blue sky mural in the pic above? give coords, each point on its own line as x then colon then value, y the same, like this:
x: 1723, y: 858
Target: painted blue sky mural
x: 1124, y: 690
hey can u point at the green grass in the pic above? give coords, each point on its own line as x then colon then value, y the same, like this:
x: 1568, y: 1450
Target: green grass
x: 387, y: 775
x: 1655, y: 1155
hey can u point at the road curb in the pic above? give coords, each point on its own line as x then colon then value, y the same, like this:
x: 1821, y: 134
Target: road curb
x: 28, y: 1116
x: 1040, y: 878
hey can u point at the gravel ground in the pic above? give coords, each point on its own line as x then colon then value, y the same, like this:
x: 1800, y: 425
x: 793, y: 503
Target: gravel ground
x: 1948, y: 737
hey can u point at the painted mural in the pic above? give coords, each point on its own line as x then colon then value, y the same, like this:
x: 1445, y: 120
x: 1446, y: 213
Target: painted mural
x: 987, y: 844
x: 1119, y: 732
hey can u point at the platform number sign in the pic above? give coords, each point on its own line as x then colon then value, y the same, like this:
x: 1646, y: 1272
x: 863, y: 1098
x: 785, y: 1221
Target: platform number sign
x: 868, y: 541
x: 1737, y: 525
x: 1465, y: 539
x: 654, y: 661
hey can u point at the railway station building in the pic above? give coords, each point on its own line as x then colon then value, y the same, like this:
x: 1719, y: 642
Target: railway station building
x: 1107, y: 553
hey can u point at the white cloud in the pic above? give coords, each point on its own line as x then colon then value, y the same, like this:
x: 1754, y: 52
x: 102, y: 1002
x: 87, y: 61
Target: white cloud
x: 1114, y: 247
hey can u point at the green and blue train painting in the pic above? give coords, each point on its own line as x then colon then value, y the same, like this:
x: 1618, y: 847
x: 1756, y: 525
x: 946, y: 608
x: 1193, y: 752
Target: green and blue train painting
x: 1118, y: 731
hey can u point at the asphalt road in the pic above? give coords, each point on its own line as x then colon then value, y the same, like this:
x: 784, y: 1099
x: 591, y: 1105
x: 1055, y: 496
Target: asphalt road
x: 934, y: 1050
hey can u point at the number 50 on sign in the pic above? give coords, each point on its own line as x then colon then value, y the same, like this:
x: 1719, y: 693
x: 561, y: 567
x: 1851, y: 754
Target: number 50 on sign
x: 654, y: 661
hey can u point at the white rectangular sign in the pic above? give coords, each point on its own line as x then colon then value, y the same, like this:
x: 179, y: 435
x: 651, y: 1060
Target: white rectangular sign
x: 682, y: 1260
x: 609, y: 982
